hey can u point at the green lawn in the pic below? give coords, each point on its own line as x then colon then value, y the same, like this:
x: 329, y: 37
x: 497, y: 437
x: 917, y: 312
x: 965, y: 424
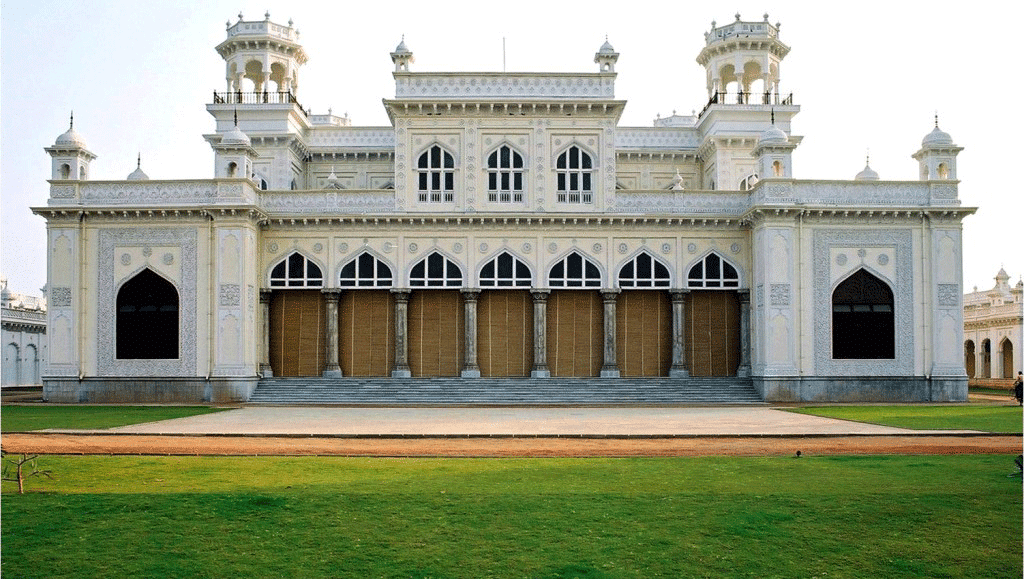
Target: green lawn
x: 25, y: 418
x: 957, y: 417
x: 826, y: 517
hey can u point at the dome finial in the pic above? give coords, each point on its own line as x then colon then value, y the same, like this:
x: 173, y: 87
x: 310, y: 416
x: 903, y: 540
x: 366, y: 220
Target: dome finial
x: 936, y: 119
x: 773, y: 115
x: 138, y: 161
x: 236, y: 118
x: 72, y: 119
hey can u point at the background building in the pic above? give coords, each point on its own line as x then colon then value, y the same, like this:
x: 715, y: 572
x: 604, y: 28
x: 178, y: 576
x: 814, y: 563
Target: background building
x: 24, y: 337
x: 504, y: 225
x: 993, y: 321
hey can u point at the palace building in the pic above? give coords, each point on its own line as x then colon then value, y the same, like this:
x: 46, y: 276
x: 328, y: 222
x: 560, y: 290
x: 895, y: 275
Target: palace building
x: 504, y: 226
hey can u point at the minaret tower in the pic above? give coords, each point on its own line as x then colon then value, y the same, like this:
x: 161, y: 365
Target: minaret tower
x: 262, y: 57
x: 739, y: 54
x: 937, y: 156
x: 70, y: 157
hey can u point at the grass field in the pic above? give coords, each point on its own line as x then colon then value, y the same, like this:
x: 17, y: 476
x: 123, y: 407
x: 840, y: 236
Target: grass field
x: 957, y: 417
x: 834, y: 517
x: 26, y: 418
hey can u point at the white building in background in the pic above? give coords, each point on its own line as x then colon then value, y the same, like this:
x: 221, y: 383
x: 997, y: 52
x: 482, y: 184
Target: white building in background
x: 23, y: 323
x: 505, y: 224
x: 993, y: 330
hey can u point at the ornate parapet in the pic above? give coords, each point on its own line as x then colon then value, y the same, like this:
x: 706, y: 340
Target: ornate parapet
x: 412, y: 85
x: 152, y: 193
x: 855, y: 194
x: 327, y: 202
x: 355, y: 138
x: 682, y: 202
x: 648, y: 138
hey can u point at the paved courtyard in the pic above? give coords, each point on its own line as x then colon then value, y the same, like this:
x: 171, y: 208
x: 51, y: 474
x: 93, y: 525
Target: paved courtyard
x: 393, y: 421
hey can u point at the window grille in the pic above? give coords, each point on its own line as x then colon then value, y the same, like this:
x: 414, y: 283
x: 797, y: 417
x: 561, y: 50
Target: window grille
x: 366, y: 271
x: 505, y: 176
x: 575, y: 174
x: 574, y: 271
x: 713, y: 272
x: 436, y: 176
x: 505, y: 271
x: 435, y: 270
x: 296, y: 271
x: 644, y: 271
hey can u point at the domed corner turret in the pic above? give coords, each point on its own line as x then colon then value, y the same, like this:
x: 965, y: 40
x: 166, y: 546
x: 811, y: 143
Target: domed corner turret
x: 234, y: 153
x: 937, y: 156
x: 774, y: 153
x: 773, y: 135
x: 70, y: 157
x: 402, y: 57
x: 261, y: 57
x: 606, y: 57
x: 138, y: 174
x: 742, y: 62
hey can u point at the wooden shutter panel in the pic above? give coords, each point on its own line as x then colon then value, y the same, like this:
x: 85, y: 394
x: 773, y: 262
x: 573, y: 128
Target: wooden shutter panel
x: 575, y: 333
x: 436, y: 338
x: 297, y: 333
x: 644, y: 333
x: 505, y: 333
x: 366, y: 333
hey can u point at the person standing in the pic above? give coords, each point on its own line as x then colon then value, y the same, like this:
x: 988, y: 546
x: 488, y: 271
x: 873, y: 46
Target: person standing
x: 1018, y: 388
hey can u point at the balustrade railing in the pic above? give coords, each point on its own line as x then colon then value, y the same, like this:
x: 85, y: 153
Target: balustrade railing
x: 746, y: 98
x: 257, y: 98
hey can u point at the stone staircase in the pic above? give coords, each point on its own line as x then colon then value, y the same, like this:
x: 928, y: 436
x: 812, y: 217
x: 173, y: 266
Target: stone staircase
x: 505, y: 391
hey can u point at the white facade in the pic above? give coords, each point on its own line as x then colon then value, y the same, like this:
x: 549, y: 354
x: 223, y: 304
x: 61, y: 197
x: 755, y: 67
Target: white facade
x: 533, y: 165
x: 24, y: 338
x: 993, y: 330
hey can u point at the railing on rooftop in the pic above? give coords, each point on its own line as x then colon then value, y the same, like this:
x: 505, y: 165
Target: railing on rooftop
x: 261, y: 28
x: 745, y: 29
x: 257, y: 98
x: 746, y: 98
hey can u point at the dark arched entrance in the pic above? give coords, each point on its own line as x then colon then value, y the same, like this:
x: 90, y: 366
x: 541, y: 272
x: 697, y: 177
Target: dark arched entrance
x: 863, y: 323
x: 147, y: 318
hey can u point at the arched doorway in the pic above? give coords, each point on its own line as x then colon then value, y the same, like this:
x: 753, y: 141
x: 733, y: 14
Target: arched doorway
x: 969, y: 358
x: 986, y: 363
x: 366, y: 318
x: 713, y: 318
x: 643, y: 318
x: 1007, y: 347
x: 505, y: 317
x: 436, y: 318
x: 863, y: 322
x: 297, y: 318
x: 147, y: 318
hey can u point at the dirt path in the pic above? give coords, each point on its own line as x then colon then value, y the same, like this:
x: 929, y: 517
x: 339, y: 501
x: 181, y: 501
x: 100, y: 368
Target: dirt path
x: 510, y: 447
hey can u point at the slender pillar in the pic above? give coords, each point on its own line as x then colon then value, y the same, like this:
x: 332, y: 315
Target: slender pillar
x: 743, y: 370
x: 611, y: 365
x: 332, y: 370
x: 401, y: 369
x: 265, y: 370
x: 469, y: 366
x: 678, y: 369
x: 979, y: 363
x: 540, y: 334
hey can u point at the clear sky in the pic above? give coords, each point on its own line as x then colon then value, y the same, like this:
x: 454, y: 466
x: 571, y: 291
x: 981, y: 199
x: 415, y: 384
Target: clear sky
x: 869, y: 77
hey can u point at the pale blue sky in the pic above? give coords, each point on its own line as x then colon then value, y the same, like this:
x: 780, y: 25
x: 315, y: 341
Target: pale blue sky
x: 138, y: 76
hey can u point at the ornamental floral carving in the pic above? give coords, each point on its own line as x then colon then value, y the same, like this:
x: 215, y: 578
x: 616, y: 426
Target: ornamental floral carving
x: 229, y: 294
x: 948, y: 294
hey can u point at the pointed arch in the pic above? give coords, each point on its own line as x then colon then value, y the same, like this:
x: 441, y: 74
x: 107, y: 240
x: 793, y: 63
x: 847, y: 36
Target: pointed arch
x: 1006, y: 363
x: 575, y: 168
x: 506, y: 171
x: 147, y: 323
x: 295, y: 270
x: 712, y: 271
x: 575, y: 271
x: 435, y: 270
x: 969, y: 358
x: 505, y: 270
x: 366, y: 270
x: 436, y: 175
x: 863, y: 318
x: 644, y: 270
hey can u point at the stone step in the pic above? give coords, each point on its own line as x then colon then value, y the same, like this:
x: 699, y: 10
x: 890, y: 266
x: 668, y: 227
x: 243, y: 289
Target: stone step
x: 504, y: 391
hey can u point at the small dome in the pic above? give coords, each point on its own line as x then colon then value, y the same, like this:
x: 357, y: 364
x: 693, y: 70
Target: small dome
x: 937, y: 137
x: 868, y: 174
x: 70, y: 138
x: 772, y: 135
x: 235, y: 137
x: 138, y: 175
x: 402, y: 48
x: 606, y: 48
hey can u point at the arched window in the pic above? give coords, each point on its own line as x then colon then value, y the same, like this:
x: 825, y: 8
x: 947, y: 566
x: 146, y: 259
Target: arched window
x: 574, y: 271
x: 437, y: 176
x: 435, y: 270
x: 863, y: 321
x: 748, y: 182
x: 296, y: 271
x: 943, y: 171
x: 65, y: 171
x: 505, y: 271
x: 366, y: 271
x: 643, y: 271
x: 232, y: 169
x: 147, y: 318
x: 777, y: 168
x: 713, y: 272
x: 575, y: 175
x: 505, y: 176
